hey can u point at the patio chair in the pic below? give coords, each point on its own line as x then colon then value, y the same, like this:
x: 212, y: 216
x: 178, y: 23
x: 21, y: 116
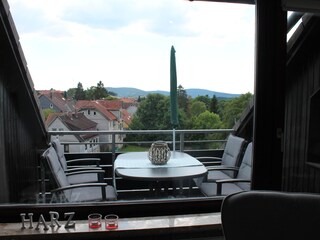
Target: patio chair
x: 84, y: 192
x: 268, y: 215
x: 231, y: 156
x: 76, y: 178
x: 227, y: 186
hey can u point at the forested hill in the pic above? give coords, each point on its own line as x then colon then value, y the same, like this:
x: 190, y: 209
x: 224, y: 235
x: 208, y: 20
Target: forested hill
x: 193, y: 92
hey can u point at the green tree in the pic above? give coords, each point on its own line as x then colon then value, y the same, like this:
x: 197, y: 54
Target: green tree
x: 71, y: 92
x: 46, y: 112
x: 79, y: 93
x: 90, y: 93
x: 183, y: 99
x: 152, y: 114
x: 197, y: 107
x: 213, y: 104
x: 205, y: 99
x: 232, y: 109
x: 207, y: 120
x: 100, y: 91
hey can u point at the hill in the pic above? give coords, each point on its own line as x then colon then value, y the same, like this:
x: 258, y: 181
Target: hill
x: 193, y: 92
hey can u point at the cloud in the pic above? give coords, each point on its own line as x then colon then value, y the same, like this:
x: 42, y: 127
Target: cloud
x: 127, y: 43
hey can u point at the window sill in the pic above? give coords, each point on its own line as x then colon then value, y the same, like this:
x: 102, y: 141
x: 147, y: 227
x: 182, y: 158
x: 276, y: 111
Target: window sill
x: 184, y: 225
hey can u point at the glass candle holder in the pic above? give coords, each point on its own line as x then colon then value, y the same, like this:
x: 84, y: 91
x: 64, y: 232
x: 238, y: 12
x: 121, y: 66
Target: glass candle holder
x: 111, y: 221
x: 94, y: 220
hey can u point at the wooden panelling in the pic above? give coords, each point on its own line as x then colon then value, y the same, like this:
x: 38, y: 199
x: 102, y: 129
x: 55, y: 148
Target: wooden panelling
x: 303, y: 81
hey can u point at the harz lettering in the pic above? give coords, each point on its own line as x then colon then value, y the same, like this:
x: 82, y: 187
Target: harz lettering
x: 54, y: 217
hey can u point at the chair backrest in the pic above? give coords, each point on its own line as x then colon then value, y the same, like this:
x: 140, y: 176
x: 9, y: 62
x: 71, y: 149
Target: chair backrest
x: 232, y: 153
x: 245, y: 169
x: 270, y: 215
x: 57, y: 171
x: 60, y: 152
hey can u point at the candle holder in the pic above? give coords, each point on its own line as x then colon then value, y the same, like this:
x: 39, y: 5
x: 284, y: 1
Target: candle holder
x: 111, y: 221
x: 159, y: 153
x: 94, y: 220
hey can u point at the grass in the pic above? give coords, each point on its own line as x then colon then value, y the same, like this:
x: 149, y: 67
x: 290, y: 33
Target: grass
x: 134, y: 148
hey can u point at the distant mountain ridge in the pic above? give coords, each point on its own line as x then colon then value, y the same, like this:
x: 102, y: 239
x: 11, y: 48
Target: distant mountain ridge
x: 193, y: 92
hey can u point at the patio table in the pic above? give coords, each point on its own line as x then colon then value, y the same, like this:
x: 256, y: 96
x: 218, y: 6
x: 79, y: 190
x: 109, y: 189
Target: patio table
x: 137, y: 166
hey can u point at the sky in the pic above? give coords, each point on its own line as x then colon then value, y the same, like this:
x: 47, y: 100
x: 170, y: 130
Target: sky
x: 126, y: 43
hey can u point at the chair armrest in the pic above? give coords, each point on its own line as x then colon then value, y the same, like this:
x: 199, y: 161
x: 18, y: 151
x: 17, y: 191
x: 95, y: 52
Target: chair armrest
x: 209, y: 160
x: 231, y: 180
x: 98, y: 171
x: 221, y: 168
x: 76, y: 169
x: 95, y: 161
x: 218, y: 168
x: 82, y: 185
x: 79, y: 186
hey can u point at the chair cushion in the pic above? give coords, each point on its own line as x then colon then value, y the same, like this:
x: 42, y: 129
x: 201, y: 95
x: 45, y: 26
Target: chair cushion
x: 214, y: 175
x: 246, y: 168
x: 210, y: 188
x: 232, y: 153
x: 60, y: 152
x: 58, y: 172
x: 83, y: 178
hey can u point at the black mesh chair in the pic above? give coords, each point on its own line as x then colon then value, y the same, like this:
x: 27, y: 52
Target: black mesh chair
x: 260, y: 215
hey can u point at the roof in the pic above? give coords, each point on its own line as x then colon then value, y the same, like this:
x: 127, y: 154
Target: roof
x: 57, y: 98
x: 94, y: 104
x: 78, y: 122
x: 74, y: 122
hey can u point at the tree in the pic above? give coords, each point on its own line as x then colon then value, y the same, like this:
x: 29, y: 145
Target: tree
x: 213, y: 104
x: 207, y: 120
x: 197, y: 107
x: 79, y: 93
x: 183, y: 99
x: 100, y: 91
x: 71, y: 92
x: 232, y: 109
x: 205, y: 99
x: 152, y: 114
x: 47, y: 112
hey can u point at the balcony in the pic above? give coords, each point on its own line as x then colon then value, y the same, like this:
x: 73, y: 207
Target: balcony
x: 211, y: 144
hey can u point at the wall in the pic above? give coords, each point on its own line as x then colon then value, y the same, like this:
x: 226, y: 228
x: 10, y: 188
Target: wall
x: 303, y: 80
x: 22, y: 132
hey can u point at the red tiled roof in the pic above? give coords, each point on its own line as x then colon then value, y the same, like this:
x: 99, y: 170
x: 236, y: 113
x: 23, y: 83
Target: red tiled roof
x: 93, y: 104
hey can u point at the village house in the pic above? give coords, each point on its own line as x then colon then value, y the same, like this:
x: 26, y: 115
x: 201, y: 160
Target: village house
x: 55, y: 100
x: 107, y: 116
x: 74, y: 122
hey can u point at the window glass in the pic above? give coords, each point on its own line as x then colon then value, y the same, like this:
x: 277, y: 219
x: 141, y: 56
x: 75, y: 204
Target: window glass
x: 213, y: 46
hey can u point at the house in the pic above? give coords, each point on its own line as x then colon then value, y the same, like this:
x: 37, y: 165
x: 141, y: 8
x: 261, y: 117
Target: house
x: 74, y: 122
x: 96, y: 111
x: 55, y: 100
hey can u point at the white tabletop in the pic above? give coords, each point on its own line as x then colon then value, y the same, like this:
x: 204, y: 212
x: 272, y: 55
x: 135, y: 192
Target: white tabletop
x: 141, y: 160
x: 136, y: 165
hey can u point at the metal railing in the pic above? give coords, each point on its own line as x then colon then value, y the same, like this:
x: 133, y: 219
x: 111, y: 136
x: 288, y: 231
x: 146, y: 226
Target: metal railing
x: 180, y: 140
